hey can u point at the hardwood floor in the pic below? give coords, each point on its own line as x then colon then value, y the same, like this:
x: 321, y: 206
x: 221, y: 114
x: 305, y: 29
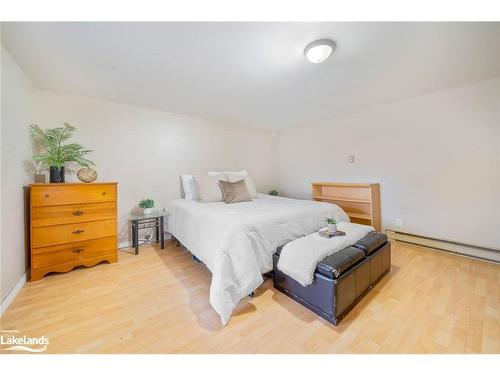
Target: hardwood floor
x: 157, y: 302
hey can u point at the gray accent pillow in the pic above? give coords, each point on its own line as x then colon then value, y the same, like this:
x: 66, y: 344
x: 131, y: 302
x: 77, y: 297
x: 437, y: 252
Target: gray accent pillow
x: 235, y: 192
x: 248, y: 181
x: 208, y: 188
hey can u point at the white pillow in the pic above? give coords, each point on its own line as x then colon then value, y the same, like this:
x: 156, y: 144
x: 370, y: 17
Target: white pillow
x: 240, y: 173
x: 221, y: 176
x: 189, y: 187
x: 208, y: 189
x: 248, y: 182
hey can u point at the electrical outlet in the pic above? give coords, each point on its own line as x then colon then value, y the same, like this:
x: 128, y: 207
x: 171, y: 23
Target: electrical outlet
x: 399, y: 222
x: 350, y: 159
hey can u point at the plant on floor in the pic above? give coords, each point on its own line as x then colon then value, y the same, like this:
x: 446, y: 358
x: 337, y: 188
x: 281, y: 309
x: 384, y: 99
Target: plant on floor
x: 55, y: 154
x: 147, y: 204
x: 274, y: 192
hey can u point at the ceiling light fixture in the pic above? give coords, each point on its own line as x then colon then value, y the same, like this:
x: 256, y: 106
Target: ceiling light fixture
x: 319, y: 50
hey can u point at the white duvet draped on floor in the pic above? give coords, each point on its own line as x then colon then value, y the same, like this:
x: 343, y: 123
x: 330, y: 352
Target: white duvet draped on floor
x: 236, y: 241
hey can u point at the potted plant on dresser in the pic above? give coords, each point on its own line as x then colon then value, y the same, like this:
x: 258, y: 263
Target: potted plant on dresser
x: 55, y: 154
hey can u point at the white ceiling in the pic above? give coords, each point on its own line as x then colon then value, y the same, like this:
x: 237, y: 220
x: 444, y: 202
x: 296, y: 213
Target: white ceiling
x: 254, y: 74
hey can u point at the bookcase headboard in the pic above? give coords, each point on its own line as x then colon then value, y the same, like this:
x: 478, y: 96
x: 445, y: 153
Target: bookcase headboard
x: 361, y: 202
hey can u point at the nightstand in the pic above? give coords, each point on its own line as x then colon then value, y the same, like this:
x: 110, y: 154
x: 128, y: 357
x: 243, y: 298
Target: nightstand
x: 155, y: 219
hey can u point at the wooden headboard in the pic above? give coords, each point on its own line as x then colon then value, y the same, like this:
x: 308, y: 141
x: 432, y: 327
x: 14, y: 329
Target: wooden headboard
x: 360, y: 201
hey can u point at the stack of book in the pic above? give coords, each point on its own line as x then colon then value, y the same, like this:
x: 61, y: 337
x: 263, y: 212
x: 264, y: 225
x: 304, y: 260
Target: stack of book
x: 329, y: 234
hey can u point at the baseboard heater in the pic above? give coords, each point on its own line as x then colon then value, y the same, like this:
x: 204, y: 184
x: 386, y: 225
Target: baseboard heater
x: 472, y: 251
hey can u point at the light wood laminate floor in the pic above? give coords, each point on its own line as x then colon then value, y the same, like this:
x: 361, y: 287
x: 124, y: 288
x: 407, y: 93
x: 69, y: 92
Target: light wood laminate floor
x: 157, y: 302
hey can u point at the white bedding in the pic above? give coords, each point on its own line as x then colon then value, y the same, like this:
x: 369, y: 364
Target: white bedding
x: 236, y: 241
x: 299, y: 258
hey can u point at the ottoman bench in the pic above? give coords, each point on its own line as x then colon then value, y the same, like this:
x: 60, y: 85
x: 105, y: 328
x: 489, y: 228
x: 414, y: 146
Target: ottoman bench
x: 341, y: 279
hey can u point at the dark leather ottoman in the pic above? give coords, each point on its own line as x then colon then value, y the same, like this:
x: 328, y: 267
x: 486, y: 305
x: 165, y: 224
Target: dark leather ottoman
x: 341, y: 279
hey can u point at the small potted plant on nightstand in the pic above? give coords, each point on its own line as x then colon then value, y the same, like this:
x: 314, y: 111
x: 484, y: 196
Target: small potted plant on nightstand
x: 331, y: 223
x: 147, y: 205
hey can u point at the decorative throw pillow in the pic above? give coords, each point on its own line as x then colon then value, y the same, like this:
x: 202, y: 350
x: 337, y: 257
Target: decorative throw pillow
x: 235, y: 192
x: 248, y: 181
x: 208, y: 189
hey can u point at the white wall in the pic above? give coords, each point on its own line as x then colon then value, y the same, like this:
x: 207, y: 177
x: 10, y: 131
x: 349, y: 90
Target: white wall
x: 146, y: 150
x: 436, y: 157
x: 18, y: 106
x: 142, y: 149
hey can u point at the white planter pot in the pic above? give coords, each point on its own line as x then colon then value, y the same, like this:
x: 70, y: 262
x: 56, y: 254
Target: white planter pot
x: 147, y: 210
x: 332, y: 227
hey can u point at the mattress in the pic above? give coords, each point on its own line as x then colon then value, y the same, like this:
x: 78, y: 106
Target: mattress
x: 236, y: 241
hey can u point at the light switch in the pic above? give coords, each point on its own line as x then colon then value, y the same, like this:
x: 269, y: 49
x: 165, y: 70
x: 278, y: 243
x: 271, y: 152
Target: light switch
x: 350, y: 159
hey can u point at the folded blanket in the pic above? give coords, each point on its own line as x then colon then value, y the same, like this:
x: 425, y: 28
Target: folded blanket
x: 299, y: 258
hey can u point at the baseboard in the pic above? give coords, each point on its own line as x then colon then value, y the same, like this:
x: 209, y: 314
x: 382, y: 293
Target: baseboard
x: 125, y: 244
x: 13, y: 293
x: 472, y: 251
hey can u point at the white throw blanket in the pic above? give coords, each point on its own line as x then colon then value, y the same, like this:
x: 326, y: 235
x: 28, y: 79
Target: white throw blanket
x: 299, y: 258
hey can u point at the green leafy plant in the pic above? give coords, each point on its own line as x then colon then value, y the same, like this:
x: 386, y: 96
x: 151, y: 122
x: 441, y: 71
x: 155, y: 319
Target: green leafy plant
x: 274, y: 192
x: 53, y: 151
x: 147, y: 203
x: 330, y: 220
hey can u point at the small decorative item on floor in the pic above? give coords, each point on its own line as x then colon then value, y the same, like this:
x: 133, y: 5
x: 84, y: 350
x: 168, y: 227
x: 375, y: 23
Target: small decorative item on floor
x: 274, y: 193
x: 147, y: 205
x: 331, y: 224
x: 86, y: 174
x: 54, y: 154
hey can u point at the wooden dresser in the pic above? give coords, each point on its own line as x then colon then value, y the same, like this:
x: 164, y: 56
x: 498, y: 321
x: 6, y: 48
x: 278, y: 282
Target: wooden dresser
x: 361, y: 202
x: 72, y: 224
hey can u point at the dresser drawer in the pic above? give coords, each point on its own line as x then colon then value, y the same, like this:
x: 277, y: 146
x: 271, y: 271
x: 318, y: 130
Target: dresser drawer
x: 59, y: 194
x: 60, y: 254
x: 72, y: 213
x: 60, y: 234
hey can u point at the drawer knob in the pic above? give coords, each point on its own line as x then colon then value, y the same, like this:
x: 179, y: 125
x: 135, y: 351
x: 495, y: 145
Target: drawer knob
x: 78, y: 250
x: 78, y: 213
x: 78, y: 231
x: 46, y: 195
x: 103, y: 193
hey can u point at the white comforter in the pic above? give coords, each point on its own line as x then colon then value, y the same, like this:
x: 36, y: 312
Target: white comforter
x: 299, y: 258
x: 236, y: 241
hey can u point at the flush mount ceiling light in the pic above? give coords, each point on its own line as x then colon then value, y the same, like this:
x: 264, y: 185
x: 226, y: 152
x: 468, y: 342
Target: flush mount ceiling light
x: 319, y: 50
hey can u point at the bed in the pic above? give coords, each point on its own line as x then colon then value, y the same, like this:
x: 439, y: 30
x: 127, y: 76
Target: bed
x: 237, y: 241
